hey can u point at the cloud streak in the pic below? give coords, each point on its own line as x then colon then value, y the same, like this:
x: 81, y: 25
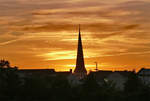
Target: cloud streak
x: 44, y: 29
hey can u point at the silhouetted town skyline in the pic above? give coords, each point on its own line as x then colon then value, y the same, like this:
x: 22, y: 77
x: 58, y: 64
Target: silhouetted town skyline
x: 46, y: 56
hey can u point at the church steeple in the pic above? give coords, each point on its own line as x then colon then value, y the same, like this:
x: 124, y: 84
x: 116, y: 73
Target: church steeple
x: 80, y: 69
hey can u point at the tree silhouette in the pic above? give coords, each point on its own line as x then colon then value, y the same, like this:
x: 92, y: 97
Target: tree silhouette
x: 9, y: 80
x: 133, y: 83
x: 4, y: 64
x: 133, y: 88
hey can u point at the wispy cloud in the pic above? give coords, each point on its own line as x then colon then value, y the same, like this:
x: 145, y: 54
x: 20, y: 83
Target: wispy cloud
x: 49, y: 28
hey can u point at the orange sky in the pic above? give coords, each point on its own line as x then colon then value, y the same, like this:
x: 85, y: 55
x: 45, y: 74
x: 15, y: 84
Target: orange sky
x: 43, y: 33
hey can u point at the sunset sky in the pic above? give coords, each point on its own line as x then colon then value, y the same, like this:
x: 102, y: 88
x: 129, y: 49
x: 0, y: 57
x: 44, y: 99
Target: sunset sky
x: 43, y: 33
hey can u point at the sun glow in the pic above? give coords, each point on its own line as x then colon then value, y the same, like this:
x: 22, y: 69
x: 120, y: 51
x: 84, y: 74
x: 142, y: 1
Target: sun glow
x: 59, y: 55
x: 45, y: 33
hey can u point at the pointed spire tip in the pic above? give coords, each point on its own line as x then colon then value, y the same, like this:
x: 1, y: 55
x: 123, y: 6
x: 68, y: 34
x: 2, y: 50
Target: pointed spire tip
x: 79, y: 28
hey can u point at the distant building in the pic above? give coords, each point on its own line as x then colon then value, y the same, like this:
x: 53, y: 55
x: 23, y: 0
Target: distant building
x: 64, y: 73
x: 31, y: 72
x: 144, y: 75
x: 116, y: 78
x: 74, y: 80
x: 100, y: 76
x: 80, y: 70
x: 42, y: 73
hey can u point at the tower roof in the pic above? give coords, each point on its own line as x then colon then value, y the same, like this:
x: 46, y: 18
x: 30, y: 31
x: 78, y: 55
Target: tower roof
x: 80, y: 67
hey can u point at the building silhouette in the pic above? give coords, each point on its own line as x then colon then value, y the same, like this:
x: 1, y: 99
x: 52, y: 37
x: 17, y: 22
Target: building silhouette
x: 80, y: 69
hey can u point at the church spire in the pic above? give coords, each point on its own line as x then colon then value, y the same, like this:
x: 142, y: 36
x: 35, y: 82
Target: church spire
x: 80, y: 69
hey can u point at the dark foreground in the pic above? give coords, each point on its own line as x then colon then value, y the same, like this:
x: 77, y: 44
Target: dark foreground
x: 14, y: 87
x: 57, y: 88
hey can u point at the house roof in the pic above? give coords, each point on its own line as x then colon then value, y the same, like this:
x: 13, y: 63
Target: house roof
x: 64, y: 73
x: 144, y: 71
x: 44, y: 71
x: 101, y: 74
x: 123, y: 73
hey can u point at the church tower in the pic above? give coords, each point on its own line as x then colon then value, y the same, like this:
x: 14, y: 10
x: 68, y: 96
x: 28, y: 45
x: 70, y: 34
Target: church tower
x: 80, y: 69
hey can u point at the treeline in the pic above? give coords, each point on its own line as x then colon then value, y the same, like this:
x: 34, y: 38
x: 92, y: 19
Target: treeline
x: 57, y: 88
